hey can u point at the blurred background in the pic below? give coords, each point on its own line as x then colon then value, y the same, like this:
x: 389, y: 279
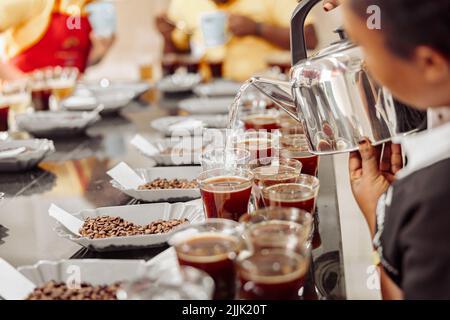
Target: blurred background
x: 138, y: 41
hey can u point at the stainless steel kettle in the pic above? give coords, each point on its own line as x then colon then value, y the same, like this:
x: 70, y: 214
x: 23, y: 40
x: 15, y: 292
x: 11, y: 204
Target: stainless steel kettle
x: 332, y: 94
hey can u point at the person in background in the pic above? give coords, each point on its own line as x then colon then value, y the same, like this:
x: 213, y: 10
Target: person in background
x: 43, y: 33
x: 407, y: 208
x: 258, y: 29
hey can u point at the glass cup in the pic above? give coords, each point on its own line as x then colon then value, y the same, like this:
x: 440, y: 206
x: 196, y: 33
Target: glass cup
x: 40, y: 91
x: 295, y: 146
x: 270, y: 171
x: 216, y: 68
x: 260, y: 144
x: 4, y: 115
x: 169, y: 64
x: 146, y: 72
x: 226, y: 192
x: 272, y: 274
x: 273, y: 170
x: 268, y: 120
x: 190, y: 63
x: 277, y: 234
x: 213, y: 26
x: 228, y: 158
x: 301, y: 217
x: 211, y: 246
x: 61, y: 81
x: 103, y: 18
x: 15, y: 98
x: 301, y: 195
x: 177, y: 283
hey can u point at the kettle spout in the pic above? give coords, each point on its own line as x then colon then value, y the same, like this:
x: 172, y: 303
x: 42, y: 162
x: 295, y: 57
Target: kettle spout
x: 279, y: 92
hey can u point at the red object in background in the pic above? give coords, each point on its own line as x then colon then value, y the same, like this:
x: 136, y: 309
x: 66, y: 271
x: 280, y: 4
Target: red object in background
x: 66, y: 43
x: 4, y: 111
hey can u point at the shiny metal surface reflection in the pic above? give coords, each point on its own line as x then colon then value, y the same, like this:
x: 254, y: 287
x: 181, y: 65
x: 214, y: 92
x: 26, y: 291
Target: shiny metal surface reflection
x: 337, y: 101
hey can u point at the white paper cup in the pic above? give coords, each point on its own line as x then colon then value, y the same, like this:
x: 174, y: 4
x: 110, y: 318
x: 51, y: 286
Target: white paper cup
x: 214, y: 28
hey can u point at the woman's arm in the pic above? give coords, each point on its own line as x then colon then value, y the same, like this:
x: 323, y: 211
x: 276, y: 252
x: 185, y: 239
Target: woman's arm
x: 167, y: 28
x: 8, y: 72
x: 372, y: 170
x: 389, y: 290
x: 280, y: 36
x: 15, y: 12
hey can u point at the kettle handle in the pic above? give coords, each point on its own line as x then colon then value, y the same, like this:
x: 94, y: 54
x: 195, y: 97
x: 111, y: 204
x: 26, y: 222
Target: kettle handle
x: 298, y: 41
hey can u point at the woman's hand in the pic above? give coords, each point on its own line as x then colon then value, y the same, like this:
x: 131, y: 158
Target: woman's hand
x: 329, y: 5
x: 100, y: 47
x: 372, y: 170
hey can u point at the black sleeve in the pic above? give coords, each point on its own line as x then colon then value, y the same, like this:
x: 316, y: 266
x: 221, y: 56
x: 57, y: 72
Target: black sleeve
x: 424, y: 240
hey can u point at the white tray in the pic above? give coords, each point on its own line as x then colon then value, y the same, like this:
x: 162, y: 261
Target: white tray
x: 213, y: 121
x: 206, y: 105
x: 179, y: 83
x: 111, y: 102
x: 26, y: 160
x: 138, y: 214
x: 158, y: 146
x: 105, y: 87
x: 92, y: 271
x: 218, y: 88
x: 60, y: 123
x: 167, y: 195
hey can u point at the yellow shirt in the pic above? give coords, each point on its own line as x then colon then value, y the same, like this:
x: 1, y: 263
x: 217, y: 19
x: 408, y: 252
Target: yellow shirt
x: 24, y: 22
x: 242, y: 56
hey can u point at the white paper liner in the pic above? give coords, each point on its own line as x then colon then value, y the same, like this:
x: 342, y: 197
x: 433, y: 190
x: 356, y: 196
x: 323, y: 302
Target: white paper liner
x: 130, y: 187
x: 138, y: 214
x: 26, y: 160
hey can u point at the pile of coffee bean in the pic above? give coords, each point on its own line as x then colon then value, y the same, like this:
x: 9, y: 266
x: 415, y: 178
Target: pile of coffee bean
x: 159, y: 184
x: 60, y: 291
x: 164, y: 226
x: 108, y: 227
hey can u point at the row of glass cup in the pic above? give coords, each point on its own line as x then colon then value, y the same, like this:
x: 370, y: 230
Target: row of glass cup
x: 42, y: 89
x: 264, y: 257
x: 261, y: 255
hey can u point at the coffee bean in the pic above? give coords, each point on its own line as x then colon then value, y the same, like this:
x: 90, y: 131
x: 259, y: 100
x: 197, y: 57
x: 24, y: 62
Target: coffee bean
x: 106, y: 227
x: 159, y: 184
x: 59, y: 291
